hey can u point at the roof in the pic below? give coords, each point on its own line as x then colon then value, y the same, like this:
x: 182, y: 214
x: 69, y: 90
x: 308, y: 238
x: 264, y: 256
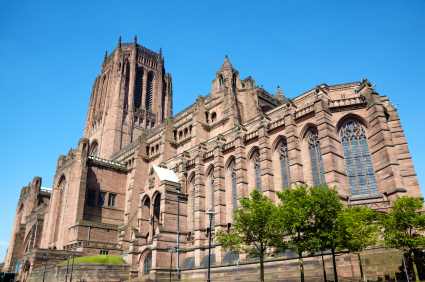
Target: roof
x: 166, y: 174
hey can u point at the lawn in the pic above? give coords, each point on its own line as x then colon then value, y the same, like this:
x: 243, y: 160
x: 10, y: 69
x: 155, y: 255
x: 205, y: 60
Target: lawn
x: 96, y: 259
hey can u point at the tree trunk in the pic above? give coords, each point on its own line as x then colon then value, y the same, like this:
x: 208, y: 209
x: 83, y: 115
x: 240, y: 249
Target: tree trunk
x: 415, y: 270
x: 300, y: 257
x: 333, y: 260
x: 361, y: 266
x: 261, y: 267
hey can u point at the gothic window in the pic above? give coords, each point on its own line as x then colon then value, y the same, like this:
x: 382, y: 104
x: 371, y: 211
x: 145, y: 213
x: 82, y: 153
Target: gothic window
x: 139, y: 90
x: 213, y: 117
x: 257, y: 172
x: 212, y: 198
x: 193, y: 203
x: 284, y: 166
x: 357, y: 158
x: 149, y: 91
x: 316, y: 159
x: 111, y: 201
x: 235, y: 199
x: 101, y: 198
x: 147, y: 264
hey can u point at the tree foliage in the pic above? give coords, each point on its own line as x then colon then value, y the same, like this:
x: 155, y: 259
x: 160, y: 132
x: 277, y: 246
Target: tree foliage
x: 404, y: 226
x: 255, y: 231
x: 358, y: 231
x: 295, y: 215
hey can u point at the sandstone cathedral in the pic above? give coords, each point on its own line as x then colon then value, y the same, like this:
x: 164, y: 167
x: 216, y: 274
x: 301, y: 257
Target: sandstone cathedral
x: 118, y: 192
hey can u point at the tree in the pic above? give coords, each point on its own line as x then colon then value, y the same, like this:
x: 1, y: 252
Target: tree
x: 295, y: 214
x: 326, y: 208
x: 255, y: 230
x: 404, y: 225
x: 358, y: 231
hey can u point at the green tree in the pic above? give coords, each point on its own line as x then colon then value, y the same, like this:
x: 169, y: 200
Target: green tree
x: 255, y: 231
x: 295, y: 214
x: 404, y: 226
x: 358, y: 231
x: 326, y: 208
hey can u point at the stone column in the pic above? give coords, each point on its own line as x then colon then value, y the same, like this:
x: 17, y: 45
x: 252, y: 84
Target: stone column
x: 294, y: 152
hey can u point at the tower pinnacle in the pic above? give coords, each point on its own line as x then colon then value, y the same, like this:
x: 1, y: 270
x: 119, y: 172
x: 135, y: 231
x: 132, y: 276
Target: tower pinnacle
x: 119, y: 42
x: 226, y: 62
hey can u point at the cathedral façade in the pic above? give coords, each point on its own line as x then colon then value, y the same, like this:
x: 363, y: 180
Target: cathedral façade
x: 116, y: 192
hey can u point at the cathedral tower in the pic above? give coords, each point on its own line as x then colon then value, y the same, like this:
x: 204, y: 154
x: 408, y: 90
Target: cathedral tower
x: 132, y: 94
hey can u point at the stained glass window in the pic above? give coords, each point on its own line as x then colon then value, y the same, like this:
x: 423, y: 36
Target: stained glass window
x: 357, y: 158
x: 235, y: 199
x: 316, y: 159
x: 284, y: 166
x: 147, y: 264
x: 257, y: 172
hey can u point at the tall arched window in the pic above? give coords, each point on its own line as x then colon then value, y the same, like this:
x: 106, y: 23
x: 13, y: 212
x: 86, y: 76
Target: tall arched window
x: 147, y: 264
x: 284, y: 166
x: 212, y: 198
x: 61, y: 188
x: 139, y: 90
x: 149, y: 91
x: 257, y: 172
x: 316, y: 159
x: 193, y: 201
x: 235, y: 196
x: 357, y: 158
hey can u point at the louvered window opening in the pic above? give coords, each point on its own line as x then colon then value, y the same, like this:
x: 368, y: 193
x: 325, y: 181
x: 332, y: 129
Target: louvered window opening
x: 257, y: 173
x: 361, y: 175
x: 316, y: 159
x: 284, y: 166
x: 149, y: 91
x: 235, y: 196
x: 139, y: 90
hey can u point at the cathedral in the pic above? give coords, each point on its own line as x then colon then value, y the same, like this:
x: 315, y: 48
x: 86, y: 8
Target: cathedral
x: 142, y: 178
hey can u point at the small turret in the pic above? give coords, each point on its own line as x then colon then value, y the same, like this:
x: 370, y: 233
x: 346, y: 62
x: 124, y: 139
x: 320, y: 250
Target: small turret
x: 160, y: 53
x: 119, y: 42
x: 106, y: 56
x: 279, y: 94
x: 135, y: 39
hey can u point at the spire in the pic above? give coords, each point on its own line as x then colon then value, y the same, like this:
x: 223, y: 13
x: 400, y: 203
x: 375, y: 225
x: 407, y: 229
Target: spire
x: 160, y: 53
x: 135, y: 39
x: 119, y: 42
x: 226, y: 62
x: 279, y: 94
x: 106, y: 55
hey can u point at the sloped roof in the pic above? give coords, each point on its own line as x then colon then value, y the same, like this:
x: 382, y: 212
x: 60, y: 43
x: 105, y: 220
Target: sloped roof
x: 166, y: 174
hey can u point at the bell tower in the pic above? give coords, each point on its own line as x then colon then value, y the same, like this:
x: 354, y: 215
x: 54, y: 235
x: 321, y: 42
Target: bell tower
x: 132, y: 94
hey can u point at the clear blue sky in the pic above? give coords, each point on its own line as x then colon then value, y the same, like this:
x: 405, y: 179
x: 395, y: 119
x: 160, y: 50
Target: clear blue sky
x: 51, y: 52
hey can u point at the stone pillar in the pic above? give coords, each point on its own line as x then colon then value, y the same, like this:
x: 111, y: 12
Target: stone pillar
x: 266, y: 165
x: 200, y: 209
x: 219, y: 198
x: 333, y: 162
x: 294, y: 152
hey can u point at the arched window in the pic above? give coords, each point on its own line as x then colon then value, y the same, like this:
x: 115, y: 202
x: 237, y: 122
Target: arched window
x: 316, y: 159
x: 235, y: 196
x: 156, y: 211
x: 147, y: 264
x: 213, y: 117
x: 212, y: 198
x: 149, y: 91
x: 357, y: 158
x: 284, y: 166
x: 61, y: 188
x: 257, y: 172
x: 139, y: 90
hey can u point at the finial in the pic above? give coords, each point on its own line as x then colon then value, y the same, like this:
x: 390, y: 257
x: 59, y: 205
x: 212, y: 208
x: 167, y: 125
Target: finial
x: 135, y: 38
x: 106, y: 55
x: 160, y: 53
x: 119, y: 42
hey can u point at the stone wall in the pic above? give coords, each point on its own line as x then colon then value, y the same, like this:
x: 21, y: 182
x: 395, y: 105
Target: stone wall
x: 88, y: 271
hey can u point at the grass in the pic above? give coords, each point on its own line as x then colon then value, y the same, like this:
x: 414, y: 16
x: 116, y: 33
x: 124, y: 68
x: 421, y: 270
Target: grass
x: 96, y: 259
